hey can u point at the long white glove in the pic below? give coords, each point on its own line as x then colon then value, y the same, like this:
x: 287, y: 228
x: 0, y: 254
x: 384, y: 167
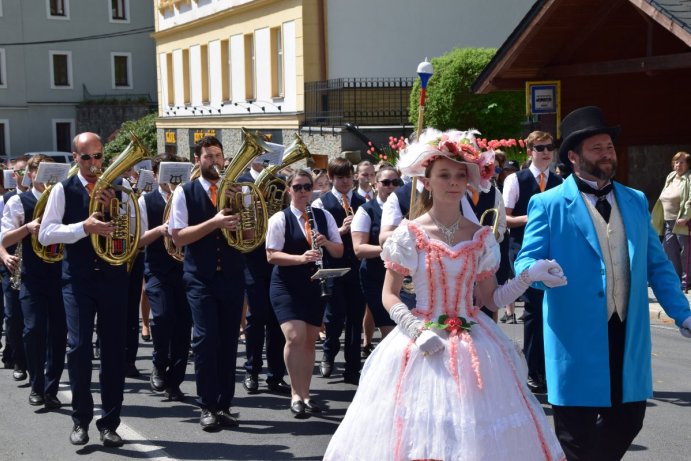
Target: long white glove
x: 685, y: 329
x: 546, y: 271
x: 428, y: 341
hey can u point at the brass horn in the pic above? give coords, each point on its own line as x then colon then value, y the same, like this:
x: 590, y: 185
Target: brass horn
x: 244, y: 198
x: 120, y: 247
x: 274, y: 187
x: 174, y: 251
x: 48, y: 253
x: 495, y: 220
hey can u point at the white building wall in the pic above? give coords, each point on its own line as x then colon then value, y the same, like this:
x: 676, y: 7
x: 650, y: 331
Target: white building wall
x: 289, y: 68
x: 184, y: 12
x: 262, y: 66
x: 178, y: 81
x: 195, y: 76
x: 237, y: 68
x: 215, y: 83
x: 163, y: 80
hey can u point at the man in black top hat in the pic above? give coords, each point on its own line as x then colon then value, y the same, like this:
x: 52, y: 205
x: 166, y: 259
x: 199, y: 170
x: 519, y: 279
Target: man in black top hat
x: 597, y: 328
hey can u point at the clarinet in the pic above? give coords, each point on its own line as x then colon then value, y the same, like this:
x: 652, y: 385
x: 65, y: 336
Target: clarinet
x: 319, y: 263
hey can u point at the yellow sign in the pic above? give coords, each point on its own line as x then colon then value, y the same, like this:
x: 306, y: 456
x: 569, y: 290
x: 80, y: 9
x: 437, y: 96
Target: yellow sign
x: 198, y: 134
x: 170, y: 137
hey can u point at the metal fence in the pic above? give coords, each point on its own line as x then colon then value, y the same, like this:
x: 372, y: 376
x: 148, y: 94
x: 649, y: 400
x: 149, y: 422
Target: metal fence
x: 360, y: 101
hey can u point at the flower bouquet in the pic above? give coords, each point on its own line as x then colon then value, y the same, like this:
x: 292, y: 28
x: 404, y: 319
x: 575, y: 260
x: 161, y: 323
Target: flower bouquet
x: 451, y: 324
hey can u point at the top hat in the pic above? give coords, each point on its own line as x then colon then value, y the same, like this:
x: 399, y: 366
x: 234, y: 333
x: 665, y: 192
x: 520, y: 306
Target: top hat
x: 580, y: 124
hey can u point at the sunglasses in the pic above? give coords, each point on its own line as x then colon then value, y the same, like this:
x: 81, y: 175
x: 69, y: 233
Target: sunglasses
x: 96, y: 156
x: 549, y: 147
x: 391, y: 182
x: 317, y: 171
x: 300, y: 187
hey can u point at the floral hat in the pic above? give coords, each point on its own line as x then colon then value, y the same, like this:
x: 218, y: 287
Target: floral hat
x: 459, y: 146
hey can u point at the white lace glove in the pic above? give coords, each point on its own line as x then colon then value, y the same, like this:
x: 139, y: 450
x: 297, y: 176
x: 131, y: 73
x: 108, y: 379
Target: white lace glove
x: 543, y: 270
x: 428, y: 341
x: 685, y: 329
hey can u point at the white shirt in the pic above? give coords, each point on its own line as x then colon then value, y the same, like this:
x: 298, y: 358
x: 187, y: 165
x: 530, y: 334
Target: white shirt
x: 361, y: 221
x: 13, y: 214
x: 52, y: 229
x: 254, y: 174
x: 179, y: 217
x: 276, y: 232
x: 511, y: 187
x: 591, y: 197
x: 143, y: 216
x: 363, y: 193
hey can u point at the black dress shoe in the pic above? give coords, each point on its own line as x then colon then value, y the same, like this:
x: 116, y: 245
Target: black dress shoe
x: 36, y: 399
x: 251, y: 383
x: 325, y: 368
x: 158, y: 380
x: 111, y: 438
x: 367, y: 350
x: 225, y: 419
x: 174, y: 394
x: 51, y: 402
x: 131, y: 371
x: 536, y: 385
x: 146, y: 338
x: 312, y: 407
x: 297, y: 408
x: 79, y: 435
x: 351, y: 378
x: 18, y: 374
x: 279, y: 387
x: 209, y: 421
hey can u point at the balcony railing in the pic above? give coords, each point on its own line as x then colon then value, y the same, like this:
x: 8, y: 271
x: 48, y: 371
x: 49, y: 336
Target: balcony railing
x: 359, y: 101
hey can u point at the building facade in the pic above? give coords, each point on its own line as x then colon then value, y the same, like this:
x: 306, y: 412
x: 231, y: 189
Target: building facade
x: 61, y: 61
x: 308, y: 66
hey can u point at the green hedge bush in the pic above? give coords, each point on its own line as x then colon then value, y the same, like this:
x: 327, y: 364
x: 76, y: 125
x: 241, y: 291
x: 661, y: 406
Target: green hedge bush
x: 144, y: 128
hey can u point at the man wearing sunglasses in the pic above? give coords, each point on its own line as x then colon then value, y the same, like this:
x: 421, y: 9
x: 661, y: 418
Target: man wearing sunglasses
x: 518, y: 189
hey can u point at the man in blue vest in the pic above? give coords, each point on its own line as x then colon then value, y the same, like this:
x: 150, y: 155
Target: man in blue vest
x: 213, y: 275
x: 597, y: 328
x: 90, y: 287
x: 518, y: 189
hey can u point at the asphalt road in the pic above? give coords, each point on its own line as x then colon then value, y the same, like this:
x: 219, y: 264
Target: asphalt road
x: 156, y: 429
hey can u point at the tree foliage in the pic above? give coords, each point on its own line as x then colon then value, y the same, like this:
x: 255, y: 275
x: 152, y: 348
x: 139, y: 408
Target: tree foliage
x: 451, y: 104
x: 144, y: 128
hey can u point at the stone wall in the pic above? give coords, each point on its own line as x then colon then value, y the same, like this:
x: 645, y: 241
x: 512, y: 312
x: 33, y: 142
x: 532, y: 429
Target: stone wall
x: 105, y: 119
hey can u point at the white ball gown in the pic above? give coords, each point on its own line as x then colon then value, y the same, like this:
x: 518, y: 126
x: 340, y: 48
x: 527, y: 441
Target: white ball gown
x: 466, y: 402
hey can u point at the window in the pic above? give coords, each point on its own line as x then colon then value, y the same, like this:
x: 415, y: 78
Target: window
x: 4, y: 137
x: 249, y: 67
x: 276, y: 62
x: 61, y: 69
x: 119, y: 10
x: 63, y: 135
x: 3, y: 75
x: 122, y: 70
x: 59, y: 9
x: 0, y: 8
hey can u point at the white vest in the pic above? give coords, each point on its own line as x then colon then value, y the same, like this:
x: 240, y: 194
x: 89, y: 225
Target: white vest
x: 615, y: 252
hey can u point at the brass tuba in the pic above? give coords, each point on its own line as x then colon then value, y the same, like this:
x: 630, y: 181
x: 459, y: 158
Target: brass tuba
x: 248, y: 201
x: 49, y: 253
x: 120, y: 247
x: 273, y: 188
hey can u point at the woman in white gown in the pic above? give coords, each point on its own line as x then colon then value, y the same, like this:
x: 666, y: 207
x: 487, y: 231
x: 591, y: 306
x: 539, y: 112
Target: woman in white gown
x: 442, y: 385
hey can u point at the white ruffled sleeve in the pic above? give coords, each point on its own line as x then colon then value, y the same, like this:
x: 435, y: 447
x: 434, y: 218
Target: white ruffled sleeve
x: 490, y: 257
x: 399, y: 252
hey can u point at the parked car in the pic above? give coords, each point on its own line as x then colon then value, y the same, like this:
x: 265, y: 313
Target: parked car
x: 57, y: 156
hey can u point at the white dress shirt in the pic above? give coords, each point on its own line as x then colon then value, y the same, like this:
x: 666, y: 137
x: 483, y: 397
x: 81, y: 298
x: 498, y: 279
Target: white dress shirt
x: 179, y: 218
x: 511, y: 187
x: 13, y: 214
x: 276, y: 232
x: 143, y: 216
x: 362, y: 193
x: 361, y: 221
x: 591, y: 197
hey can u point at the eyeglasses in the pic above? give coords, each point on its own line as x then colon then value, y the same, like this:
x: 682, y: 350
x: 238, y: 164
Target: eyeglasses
x: 96, y: 156
x: 317, y: 171
x: 300, y: 187
x: 549, y: 147
x: 391, y: 182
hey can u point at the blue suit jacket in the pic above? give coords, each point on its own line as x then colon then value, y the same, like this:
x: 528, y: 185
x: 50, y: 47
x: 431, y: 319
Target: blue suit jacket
x: 575, y: 316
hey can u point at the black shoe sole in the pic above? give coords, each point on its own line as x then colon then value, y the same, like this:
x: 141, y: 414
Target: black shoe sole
x: 212, y: 428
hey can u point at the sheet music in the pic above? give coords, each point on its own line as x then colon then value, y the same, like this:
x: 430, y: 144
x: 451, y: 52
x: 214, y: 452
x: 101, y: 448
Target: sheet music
x: 174, y: 172
x: 143, y: 165
x: 8, y: 179
x: 272, y: 157
x: 146, y: 181
x: 51, y: 173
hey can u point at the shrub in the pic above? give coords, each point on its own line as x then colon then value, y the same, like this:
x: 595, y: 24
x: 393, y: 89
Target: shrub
x: 144, y: 128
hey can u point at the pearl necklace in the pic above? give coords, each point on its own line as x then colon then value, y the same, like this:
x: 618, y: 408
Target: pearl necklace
x: 447, y: 231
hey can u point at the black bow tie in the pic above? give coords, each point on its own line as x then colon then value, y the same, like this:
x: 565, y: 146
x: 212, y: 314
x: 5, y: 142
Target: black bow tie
x: 601, y: 205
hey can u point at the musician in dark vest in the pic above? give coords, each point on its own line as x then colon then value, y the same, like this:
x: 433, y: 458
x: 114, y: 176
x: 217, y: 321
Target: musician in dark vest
x: 295, y: 241
x: 365, y: 234
x: 90, y: 287
x: 346, y: 306
x: 518, y: 188
x: 171, y: 319
x: 40, y: 295
x: 261, y: 326
x: 213, y: 275
x: 14, y: 320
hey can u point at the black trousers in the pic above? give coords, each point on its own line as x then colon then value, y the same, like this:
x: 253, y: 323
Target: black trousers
x: 14, y: 322
x: 602, y: 433
x: 533, y: 338
x: 134, y: 296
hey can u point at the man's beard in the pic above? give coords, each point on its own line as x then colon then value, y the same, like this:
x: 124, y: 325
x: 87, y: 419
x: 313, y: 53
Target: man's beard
x: 210, y: 172
x: 594, y: 169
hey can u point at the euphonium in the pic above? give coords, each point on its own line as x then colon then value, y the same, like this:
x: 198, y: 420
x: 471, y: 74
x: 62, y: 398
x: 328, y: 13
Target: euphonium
x: 120, y: 247
x: 274, y: 187
x: 49, y: 253
x: 16, y: 275
x: 247, y: 200
x: 495, y: 220
x: 174, y: 251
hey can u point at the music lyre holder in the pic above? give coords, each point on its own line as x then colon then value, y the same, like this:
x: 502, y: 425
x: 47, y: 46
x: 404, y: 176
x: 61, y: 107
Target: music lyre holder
x: 323, y: 274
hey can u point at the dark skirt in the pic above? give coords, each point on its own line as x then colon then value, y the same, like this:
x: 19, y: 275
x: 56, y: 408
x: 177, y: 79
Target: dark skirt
x: 293, y: 300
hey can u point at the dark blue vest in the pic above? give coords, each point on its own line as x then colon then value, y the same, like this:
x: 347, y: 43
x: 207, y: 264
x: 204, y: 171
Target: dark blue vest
x: 485, y: 202
x: 211, y: 253
x: 527, y: 187
x: 80, y: 260
x: 333, y: 206
x: 374, y: 266
x: 403, y: 195
x: 32, y: 264
x: 157, y: 261
x: 296, y: 244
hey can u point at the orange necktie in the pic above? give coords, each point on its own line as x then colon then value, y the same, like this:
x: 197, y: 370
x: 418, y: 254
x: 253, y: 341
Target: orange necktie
x: 475, y: 196
x: 308, y: 229
x: 213, y: 189
x: 90, y: 187
x: 344, y: 202
x: 367, y: 197
x: 542, y: 182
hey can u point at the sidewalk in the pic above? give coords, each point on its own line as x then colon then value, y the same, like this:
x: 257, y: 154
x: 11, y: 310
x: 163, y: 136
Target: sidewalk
x: 656, y: 311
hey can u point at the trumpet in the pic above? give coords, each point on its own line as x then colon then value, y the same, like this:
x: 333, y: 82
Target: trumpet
x: 325, y: 295
x: 495, y: 220
x: 16, y: 275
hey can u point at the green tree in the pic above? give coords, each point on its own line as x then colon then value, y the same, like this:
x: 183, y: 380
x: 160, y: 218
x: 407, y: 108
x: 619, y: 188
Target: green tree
x: 451, y: 104
x: 144, y: 128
